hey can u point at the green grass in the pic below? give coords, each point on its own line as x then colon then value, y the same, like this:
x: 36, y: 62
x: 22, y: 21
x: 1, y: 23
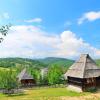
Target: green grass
x: 3, y: 69
x: 42, y: 94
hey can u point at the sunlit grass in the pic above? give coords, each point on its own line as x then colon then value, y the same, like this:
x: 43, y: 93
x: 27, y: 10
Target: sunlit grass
x: 42, y: 94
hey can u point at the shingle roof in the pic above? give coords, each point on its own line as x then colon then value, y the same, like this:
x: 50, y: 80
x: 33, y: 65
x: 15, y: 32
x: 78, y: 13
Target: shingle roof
x: 24, y: 75
x: 85, y: 67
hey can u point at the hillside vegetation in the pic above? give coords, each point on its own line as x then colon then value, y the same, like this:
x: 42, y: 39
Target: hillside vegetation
x: 39, y: 63
x: 20, y: 62
x: 58, y: 61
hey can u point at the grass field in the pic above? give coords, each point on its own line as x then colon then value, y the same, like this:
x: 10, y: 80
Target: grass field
x: 43, y: 94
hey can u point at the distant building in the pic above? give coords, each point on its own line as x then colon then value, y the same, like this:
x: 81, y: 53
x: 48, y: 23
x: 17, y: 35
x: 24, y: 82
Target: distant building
x: 44, y: 72
x: 25, y: 78
x: 83, y: 74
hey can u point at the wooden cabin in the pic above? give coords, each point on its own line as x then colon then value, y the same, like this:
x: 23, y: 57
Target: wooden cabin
x: 25, y: 78
x: 83, y: 74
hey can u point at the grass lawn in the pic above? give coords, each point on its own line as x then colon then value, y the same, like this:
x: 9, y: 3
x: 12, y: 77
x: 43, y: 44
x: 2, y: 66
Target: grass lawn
x: 42, y: 94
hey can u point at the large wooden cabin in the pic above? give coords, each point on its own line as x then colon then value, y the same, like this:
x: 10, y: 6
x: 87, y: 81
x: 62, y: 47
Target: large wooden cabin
x: 25, y: 78
x: 83, y: 74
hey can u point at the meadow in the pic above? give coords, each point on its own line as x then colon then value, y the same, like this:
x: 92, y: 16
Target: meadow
x: 50, y: 94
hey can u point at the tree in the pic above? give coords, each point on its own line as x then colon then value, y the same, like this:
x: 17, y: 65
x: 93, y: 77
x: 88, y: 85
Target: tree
x: 36, y: 75
x: 4, y: 31
x: 54, y: 75
x: 8, y: 81
x: 8, y: 77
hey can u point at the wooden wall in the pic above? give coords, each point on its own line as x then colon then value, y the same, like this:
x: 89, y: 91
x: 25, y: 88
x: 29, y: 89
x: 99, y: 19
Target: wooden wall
x: 98, y: 81
x: 28, y: 82
x: 84, y: 83
x: 75, y: 81
x: 89, y: 83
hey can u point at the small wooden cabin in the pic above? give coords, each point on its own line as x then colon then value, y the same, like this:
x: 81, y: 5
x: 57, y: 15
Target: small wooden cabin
x: 83, y: 74
x: 25, y: 78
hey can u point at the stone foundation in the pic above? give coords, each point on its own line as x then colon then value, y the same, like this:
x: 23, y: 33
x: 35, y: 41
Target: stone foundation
x: 74, y: 88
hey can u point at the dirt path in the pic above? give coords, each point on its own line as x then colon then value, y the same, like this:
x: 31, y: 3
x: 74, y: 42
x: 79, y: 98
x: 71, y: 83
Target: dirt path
x: 94, y: 96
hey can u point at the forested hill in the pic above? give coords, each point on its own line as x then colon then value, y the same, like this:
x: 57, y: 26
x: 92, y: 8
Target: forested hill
x: 38, y: 63
x: 58, y: 61
x: 21, y: 62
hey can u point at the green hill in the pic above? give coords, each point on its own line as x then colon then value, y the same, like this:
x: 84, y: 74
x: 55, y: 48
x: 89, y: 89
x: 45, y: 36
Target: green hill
x: 58, y: 61
x: 38, y: 63
x: 20, y: 62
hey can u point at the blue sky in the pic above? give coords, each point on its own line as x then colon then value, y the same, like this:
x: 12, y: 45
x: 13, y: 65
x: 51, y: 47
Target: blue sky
x: 53, y: 17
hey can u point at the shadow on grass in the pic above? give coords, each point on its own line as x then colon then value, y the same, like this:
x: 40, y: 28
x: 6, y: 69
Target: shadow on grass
x: 14, y: 95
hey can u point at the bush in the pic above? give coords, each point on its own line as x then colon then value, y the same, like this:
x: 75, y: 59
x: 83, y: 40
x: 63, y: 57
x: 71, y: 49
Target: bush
x: 92, y: 90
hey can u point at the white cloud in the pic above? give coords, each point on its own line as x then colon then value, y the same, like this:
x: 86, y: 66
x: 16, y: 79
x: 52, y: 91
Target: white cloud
x: 31, y: 41
x: 37, y: 20
x: 90, y: 16
x: 71, y: 46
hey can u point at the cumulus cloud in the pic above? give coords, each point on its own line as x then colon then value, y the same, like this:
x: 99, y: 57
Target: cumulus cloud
x: 90, y: 16
x: 37, y: 20
x: 71, y: 46
x: 31, y: 41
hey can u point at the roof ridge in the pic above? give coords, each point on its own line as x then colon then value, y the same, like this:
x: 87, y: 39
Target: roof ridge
x: 22, y: 73
x: 84, y: 65
x: 83, y: 68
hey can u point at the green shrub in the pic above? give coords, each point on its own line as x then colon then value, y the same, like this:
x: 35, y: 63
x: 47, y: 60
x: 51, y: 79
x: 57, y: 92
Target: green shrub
x: 92, y: 90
